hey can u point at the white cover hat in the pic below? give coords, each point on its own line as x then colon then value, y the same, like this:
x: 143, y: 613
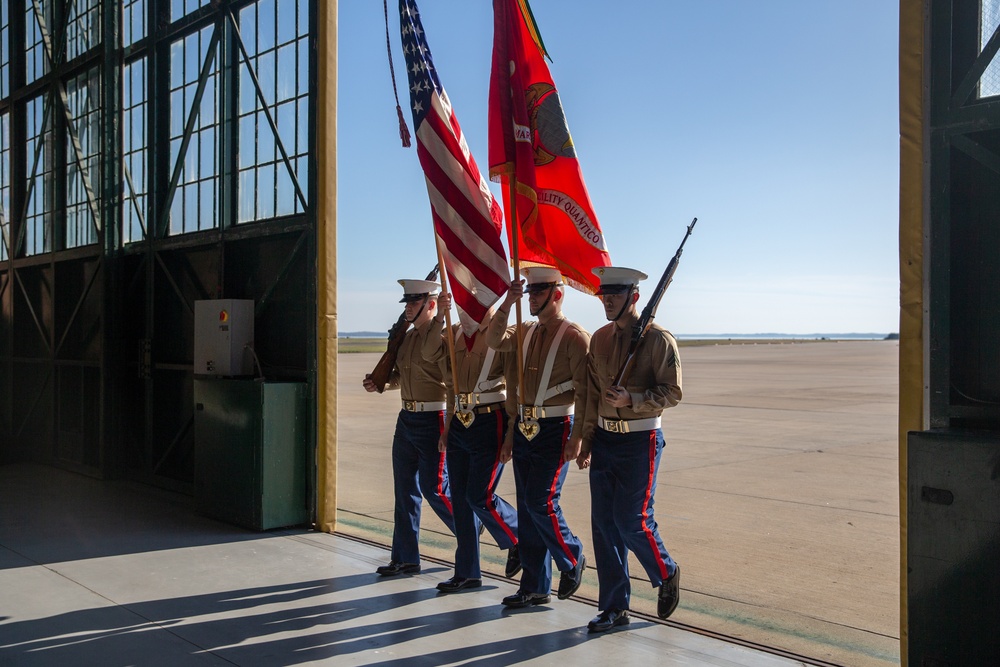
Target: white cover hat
x: 618, y: 275
x: 541, y: 275
x: 415, y: 289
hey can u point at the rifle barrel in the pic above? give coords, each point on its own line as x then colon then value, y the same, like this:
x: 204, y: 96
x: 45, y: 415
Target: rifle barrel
x: 641, y: 326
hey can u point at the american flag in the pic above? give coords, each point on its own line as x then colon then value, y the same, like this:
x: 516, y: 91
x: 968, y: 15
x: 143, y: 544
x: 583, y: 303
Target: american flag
x: 467, y: 219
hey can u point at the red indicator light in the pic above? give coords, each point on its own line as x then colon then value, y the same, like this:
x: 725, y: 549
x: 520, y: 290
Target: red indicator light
x: 223, y: 316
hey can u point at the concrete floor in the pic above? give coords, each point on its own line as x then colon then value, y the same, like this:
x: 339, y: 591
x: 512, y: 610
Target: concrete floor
x: 114, y: 573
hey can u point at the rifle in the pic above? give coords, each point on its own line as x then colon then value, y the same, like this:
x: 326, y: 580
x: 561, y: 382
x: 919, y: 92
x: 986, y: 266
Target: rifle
x: 645, y: 320
x: 383, y: 369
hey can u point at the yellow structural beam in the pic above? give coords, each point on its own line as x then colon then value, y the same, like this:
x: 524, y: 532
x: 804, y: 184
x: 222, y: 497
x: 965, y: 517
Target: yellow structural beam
x: 326, y: 266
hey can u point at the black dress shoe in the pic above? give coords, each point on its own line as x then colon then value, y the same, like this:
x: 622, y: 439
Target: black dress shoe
x: 456, y: 584
x: 608, y: 619
x: 670, y: 594
x: 395, y: 567
x: 522, y: 599
x: 513, y: 562
x: 570, y: 581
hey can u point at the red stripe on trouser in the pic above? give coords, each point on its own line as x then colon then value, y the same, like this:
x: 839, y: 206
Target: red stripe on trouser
x: 490, y: 505
x: 552, y: 492
x: 442, y: 457
x: 645, y: 507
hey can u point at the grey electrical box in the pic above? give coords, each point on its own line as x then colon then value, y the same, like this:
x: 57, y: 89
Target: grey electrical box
x: 223, y: 336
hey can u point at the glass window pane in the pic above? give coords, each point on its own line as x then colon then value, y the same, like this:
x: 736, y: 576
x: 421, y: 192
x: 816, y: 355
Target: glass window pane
x: 265, y: 139
x: 285, y: 120
x: 4, y: 50
x: 248, y: 140
x: 302, y: 175
x: 285, y: 194
x: 208, y: 152
x: 265, y: 76
x: 177, y: 213
x: 35, y: 39
x: 286, y: 63
x: 192, y: 222
x: 133, y: 21
x: 302, y: 68
x: 302, y: 128
x: 265, y: 25
x: 134, y: 151
x: 265, y: 191
x: 248, y: 93
x: 206, y: 195
x: 989, y: 83
x: 82, y: 155
x: 207, y: 114
x: 39, y: 165
x: 83, y: 28
x: 286, y: 21
x: 199, y: 171
x: 303, y: 27
x: 247, y: 187
x: 176, y: 64
x: 181, y: 8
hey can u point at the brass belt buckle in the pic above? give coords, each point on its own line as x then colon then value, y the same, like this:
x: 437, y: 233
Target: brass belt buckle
x: 410, y: 406
x: 465, y: 416
x: 528, y: 425
x: 613, y: 426
x: 464, y: 411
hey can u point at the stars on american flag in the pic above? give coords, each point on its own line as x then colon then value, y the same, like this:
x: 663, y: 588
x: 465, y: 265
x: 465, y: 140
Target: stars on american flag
x: 420, y: 70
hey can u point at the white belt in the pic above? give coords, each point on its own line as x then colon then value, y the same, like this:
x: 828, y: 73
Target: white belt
x: 424, y: 406
x: 477, y: 398
x: 628, y: 425
x: 540, y: 412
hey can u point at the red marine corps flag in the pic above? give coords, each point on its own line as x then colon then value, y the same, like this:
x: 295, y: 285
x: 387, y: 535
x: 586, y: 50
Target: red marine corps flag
x: 467, y: 220
x: 531, y: 148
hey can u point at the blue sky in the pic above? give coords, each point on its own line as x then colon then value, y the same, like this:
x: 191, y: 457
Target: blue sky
x: 775, y: 123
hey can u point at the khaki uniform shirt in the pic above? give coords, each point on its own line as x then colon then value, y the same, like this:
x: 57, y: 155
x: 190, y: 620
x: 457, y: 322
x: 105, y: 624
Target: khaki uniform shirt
x: 570, y: 361
x: 470, y: 363
x: 654, y: 383
x: 417, y: 378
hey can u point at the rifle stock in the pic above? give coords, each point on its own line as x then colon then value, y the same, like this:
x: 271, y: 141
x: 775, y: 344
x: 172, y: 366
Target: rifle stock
x: 645, y: 321
x: 383, y: 369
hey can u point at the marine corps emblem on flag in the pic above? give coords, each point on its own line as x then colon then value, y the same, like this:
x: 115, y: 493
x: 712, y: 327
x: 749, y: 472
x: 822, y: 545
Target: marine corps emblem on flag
x: 549, y: 129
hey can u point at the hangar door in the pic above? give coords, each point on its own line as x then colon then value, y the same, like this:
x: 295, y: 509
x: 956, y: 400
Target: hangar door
x: 152, y: 153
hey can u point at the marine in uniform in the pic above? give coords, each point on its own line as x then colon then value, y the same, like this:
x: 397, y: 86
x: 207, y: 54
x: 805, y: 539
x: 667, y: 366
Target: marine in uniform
x: 555, y: 352
x: 418, y: 468
x: 622, y: 445
x: 476, y: 427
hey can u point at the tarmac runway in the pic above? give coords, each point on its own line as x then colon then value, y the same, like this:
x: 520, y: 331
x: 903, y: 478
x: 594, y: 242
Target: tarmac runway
x: 778, y: 494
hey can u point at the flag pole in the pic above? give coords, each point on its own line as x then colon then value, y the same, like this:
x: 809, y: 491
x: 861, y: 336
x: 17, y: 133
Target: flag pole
x: 515, y: 233
x: 447, y: 318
